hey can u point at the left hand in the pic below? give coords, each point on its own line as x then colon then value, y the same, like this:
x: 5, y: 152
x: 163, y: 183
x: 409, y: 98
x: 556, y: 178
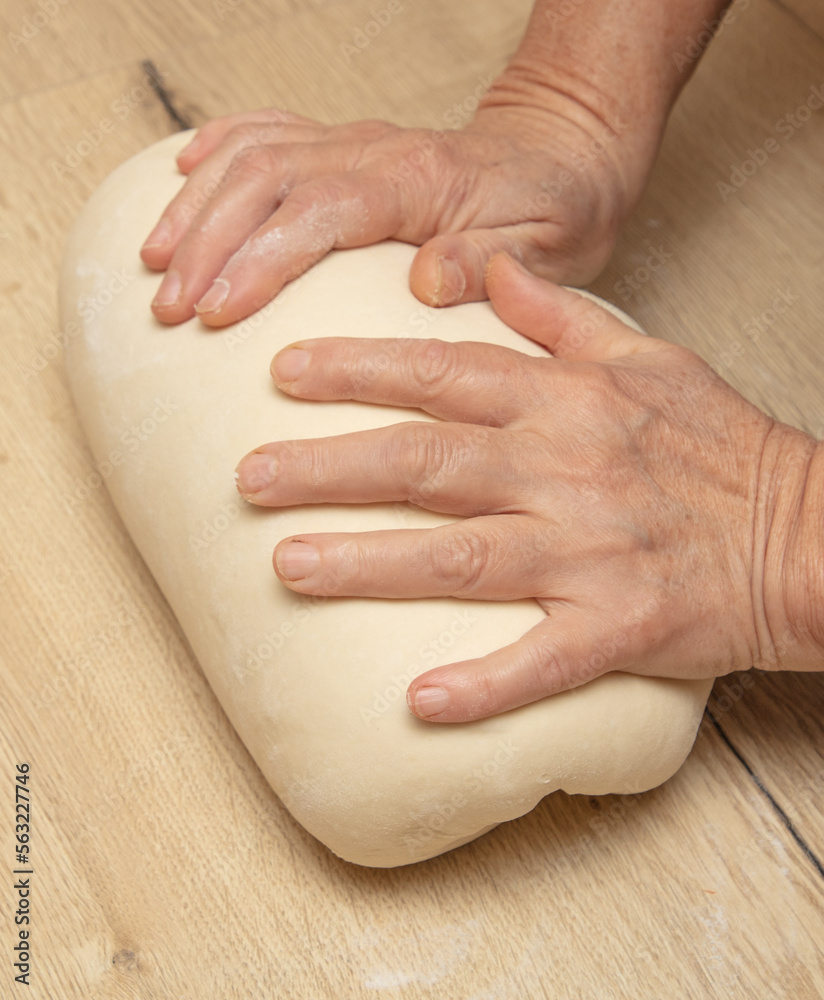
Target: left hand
x: 617, y: 483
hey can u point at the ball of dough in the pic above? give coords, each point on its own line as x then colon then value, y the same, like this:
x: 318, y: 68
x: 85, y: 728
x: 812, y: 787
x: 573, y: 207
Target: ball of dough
x: 316, y: 687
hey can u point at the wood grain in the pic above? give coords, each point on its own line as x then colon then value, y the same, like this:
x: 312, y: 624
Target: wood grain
x: 164, y: 865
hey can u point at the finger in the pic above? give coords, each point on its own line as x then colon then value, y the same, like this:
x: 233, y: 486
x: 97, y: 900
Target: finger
x: 495, y: 558
x: 451, y: 268
x: 269, y: 121
x: 564, y: 651
x: 572, y: 326
x: 260, y: 178
x: 454, y: 468
x: 208, y: 178
x: 336, y: 211
x: 465, y: 382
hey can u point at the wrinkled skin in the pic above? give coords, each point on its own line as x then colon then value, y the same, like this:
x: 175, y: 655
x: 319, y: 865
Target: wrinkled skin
x: 665, y: 524
x: 269, y: 193
x: 622, y: 483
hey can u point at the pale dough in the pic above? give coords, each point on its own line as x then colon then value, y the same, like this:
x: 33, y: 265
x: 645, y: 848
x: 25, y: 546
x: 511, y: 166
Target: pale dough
x: 316, y: 689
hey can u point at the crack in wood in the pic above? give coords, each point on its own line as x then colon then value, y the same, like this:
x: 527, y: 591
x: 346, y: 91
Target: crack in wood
x: 155, y: 78
x: 785, y: 819
x: 799, y: 18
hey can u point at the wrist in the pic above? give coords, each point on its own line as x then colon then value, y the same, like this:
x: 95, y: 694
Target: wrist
x: 568, y: 133
x: 605, y: 79
x: 790, y: 519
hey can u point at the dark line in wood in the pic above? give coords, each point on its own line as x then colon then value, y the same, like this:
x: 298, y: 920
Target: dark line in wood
x: 785, y: 819
x: 797, y: 17
x: 155, y: 79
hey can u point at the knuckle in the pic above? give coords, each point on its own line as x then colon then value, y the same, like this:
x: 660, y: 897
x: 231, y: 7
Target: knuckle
x: 598, y: 380
x: 313, y: 465
x: 552, y: 672
x: 589, y: 388
x: 681, y: 358
x: 246, y: 134
x: 433, y: 363
x: 458, y: 562
x: 252, y: 162
x: 418, y: 452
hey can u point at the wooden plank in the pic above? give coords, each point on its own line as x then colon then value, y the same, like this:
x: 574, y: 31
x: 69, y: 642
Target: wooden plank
x: 49, y: 42
x: 774, y: 722
x: 345, y: 73
x: 185, y: 875
x: 809, y: 12
x: 735, y: 255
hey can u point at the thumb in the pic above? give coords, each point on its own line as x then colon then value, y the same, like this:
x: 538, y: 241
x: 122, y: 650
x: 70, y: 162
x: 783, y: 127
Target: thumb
x: 569, y: 323
x: 451, y: 268
x: 561, y: 652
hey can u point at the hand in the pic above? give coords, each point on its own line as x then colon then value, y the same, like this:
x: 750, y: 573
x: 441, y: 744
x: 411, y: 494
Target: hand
x: 269, y: 193
x: 551, y: 165
x: 622, y: 483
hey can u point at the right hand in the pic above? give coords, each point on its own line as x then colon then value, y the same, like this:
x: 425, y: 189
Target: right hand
x: 270, y: 193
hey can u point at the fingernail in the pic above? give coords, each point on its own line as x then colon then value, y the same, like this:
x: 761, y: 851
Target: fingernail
x: 214, y: 298
x: 255, y: 473
x: 159, y: 236
x: 297, y: 560
x: 290, y: 364
x: 169, y: 292
x: 451, y: 282
x: 428, y: 701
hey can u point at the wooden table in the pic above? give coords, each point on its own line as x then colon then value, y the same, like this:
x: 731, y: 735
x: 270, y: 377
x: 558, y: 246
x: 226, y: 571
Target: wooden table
x: 164, y: 866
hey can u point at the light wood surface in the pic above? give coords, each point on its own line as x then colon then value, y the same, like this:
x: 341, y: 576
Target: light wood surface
x: 164, y: 866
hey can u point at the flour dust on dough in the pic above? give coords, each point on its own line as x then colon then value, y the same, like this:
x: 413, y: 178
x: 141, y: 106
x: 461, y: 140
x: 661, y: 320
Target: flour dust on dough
x: 316, y: 688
